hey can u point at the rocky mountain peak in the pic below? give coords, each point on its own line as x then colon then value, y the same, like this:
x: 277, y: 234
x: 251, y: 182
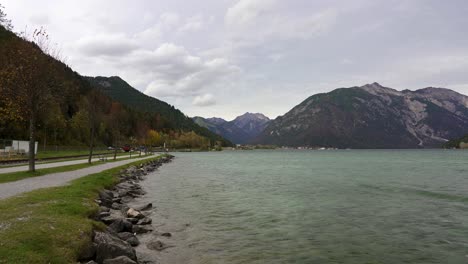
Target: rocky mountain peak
x: 375, y: 88
x: 241, y: 130
x: 216, y: 120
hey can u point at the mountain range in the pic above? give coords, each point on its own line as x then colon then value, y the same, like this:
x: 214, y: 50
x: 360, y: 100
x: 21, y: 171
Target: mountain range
x: 372, y: 116
x: 241, y: 130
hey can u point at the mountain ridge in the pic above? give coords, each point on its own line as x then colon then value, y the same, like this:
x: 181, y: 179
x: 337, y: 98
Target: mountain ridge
x: 119, y: 90
x: 240, y: 130
x: 372, y: 116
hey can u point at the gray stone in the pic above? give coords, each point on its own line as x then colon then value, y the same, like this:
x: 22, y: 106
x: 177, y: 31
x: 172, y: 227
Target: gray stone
x: 121, y: 225
x: 110, y: 219
x: 129, y: 238
x: 109, y: 247
x: 134, y: 213
x: 105, y: 197
x: 139, y: 229
x: 133, y: 220
x: 119, y: 260
x: 145, y: 221
x: 157, y: 245
x: 167, y: 234
x: 116, y: 206
x: 145, y: 207
x: 87, y: 252
x: 104, y: 214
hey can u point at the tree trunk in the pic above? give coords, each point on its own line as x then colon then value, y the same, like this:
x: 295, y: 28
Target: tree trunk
x: 115, y: 153
x: 45, y: 139
x: 32, y: 141
x: 91, y: 144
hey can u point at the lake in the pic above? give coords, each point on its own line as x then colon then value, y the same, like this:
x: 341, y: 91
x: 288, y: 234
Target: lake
x: 330, y: 206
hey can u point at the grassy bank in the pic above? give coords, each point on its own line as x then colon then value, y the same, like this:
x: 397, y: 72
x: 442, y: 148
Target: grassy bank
x: 52, y: 225
x: 16, y: 176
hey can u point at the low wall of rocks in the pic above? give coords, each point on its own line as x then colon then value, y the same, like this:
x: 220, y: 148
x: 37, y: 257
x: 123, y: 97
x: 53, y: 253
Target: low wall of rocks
x: 115, y: 244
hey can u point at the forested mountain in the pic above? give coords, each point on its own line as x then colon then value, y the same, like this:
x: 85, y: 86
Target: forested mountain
x: 372, y: 116
x: 169, y: 116
x: 241, y: 130
x: 39, y: 91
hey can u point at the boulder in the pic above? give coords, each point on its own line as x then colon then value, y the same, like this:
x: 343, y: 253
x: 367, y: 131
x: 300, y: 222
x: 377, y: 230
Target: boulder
x: 134, y: 214
x: 87, y: 252
x: 110, y: 219
x: 119, y: 260
x: 156, y: 245
x: 145, y: 221
x: 121, y: 225
x: 105, y: 197
x: 167, y: 234
x: 104, y: 214
x: 141, y: 229
x: 133, y: 220
x: 145, y: 207
x: 127, y: 199
x: 109, y: 247
x: 116, y: 206
x: 129, y: 238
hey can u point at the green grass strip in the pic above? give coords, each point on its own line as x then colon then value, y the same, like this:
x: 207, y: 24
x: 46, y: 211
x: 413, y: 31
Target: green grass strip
x: 53, y: 225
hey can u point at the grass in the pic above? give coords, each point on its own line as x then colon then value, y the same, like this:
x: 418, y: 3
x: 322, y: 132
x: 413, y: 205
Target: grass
x: 52, y: 225
x: 16, y: 176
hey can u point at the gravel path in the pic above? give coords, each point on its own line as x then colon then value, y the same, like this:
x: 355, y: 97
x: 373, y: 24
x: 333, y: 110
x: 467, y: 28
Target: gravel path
x: 56, y: 179
x: 53, y: 164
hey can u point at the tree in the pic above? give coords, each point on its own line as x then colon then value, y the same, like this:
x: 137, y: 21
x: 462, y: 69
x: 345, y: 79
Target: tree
x: 27, y: 79
x: 6, y: 23
x: 92, y: 105
x: 154, y: 138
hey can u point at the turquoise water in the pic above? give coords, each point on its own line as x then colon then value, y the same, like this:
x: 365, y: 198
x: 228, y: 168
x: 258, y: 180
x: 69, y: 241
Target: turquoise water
x: 355, y: 206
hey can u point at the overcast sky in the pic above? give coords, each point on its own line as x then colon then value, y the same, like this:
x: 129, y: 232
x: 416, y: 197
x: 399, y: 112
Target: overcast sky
x: 226, y: 57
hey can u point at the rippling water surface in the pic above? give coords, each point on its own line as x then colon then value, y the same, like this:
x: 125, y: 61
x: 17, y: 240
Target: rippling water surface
x: 355, y: 206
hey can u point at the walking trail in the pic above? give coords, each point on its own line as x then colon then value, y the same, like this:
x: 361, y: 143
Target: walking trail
x: 52, y: 164
x: 56, y: 179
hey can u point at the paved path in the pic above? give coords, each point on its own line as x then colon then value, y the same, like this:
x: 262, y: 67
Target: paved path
x: 56, y: 179
x: 56, y: 164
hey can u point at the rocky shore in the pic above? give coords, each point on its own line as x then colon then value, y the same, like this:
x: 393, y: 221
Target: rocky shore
x: 115, y: 245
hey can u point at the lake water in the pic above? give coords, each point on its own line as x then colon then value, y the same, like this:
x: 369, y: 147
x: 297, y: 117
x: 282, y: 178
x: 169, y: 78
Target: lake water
x: 344, y: 206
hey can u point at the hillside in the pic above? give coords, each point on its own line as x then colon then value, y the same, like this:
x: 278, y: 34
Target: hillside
x: 372, y: 116
x: 241, y: 130
x: 68, y: 108
x: 122, y: 92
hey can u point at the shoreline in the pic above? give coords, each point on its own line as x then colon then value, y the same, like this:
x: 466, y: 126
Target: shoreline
x: 116, y: 242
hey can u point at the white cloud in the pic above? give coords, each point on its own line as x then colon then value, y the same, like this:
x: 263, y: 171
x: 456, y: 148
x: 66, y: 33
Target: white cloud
x: 244, y: 12
x: 192, y: 24
x: 175, y: 72
x: 39, y: 19
x: 276, y: 57
x: 251, y: 22
x: 167, y: 22
x: 346, y: 61
x: 106, y: 45
x: 204, y: 100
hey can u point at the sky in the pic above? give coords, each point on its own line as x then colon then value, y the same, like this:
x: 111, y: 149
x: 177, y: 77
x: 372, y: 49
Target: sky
x: 226, y: 57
